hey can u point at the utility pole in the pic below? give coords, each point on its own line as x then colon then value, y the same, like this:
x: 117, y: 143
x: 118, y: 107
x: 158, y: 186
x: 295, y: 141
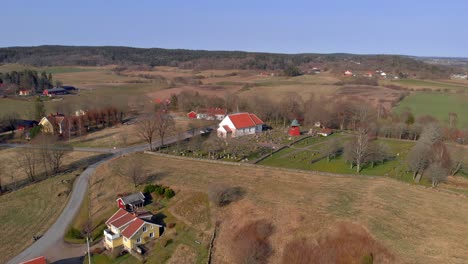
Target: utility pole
x: 89, y: 253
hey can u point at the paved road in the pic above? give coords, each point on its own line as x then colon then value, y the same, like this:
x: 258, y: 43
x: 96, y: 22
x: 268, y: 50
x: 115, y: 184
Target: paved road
x: 99, y: 150
x: 51, y: 243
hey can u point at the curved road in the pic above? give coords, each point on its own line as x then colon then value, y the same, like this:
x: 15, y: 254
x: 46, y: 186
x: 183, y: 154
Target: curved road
x: 51, y: 244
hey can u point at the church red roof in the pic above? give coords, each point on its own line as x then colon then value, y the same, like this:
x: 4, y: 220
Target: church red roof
x: 243, y: 120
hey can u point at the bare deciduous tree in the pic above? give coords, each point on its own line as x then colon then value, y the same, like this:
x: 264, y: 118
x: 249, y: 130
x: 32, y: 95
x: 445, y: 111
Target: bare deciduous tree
x: 146, y: 130
x: 135, y: 173
x: 51, y: 152
x: 453, y: 118
x: 331, y: 148
x: 213, y: 145
x: 377, y: 153
x: 356, y: 151
x: 57, y: 154
x: 437, y: 174
x: 27, y: 162
x: 290, y: 106
x: 418, y: 159
x: 164, y: 122
x: 429, y: 150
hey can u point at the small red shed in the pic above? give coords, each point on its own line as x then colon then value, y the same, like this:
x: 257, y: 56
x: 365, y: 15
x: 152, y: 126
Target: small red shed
x: 192, y: 115
x: 294, y: 130
x: 132, y: 201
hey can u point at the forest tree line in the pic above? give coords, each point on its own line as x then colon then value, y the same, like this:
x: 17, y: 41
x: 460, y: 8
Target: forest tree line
x: 27, y: 80
x: 202, y: 59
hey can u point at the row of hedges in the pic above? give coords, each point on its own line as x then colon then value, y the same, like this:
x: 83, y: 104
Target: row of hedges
x: 160, y: 190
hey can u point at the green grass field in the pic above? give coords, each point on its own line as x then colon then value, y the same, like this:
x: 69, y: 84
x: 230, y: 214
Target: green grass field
x: 438, y: 105
x: 291, y: 158
x: 412, y: 83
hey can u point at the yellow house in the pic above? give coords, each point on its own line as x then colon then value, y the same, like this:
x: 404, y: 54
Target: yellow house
x: 52, y: 123
x: 129, y: 230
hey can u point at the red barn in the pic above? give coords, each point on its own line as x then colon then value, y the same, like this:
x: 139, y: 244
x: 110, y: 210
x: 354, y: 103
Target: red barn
x: 294, y: 130
x: 192, y: 115
x: 131, y: 202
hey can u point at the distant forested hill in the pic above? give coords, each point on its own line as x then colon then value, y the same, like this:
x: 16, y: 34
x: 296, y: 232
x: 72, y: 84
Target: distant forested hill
x: 201, y: 59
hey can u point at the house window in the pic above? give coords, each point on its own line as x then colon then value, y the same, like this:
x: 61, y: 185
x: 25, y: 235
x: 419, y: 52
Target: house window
x: 125, y: 239
x: 151, y: 235
x: 139, y: 240
x: 144, y: 229
x: 151, y: 227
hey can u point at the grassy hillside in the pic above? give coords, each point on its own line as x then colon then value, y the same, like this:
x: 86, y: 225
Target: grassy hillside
x: 30, y: 211
x: 410, y: 221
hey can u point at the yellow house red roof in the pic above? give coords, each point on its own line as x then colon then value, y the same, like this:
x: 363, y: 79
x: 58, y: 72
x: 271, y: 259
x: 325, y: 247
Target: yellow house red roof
x: 132, y: 228
x: 117, y: 215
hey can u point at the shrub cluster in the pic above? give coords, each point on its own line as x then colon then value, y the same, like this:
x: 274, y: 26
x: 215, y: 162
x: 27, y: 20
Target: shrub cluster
x: 160, y: 190
x: 74, y: 233
x: 222, y: 195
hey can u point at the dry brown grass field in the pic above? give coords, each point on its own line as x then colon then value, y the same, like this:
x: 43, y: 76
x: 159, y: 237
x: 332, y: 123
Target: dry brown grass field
x: 30, y: 211
x: 127, y: 135
x: 410, y: 224
x: 10, y: 167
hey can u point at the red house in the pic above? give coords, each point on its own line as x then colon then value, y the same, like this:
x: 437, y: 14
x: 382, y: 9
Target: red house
x: 131, y: 202
x: 192, y: 115
x: 294, y: 130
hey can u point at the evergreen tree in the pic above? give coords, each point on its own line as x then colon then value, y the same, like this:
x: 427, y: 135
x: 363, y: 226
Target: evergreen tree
x: 39, y: 109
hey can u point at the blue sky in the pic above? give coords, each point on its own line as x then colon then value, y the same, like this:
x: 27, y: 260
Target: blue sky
x: 424, y: 28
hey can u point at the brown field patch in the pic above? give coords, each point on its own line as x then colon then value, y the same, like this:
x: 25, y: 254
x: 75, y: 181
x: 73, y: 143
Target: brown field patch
x: 344, y: 243
x: 374, y: 95
x: 415, y: 224
x: 183, y: 254
x: 194, y: 210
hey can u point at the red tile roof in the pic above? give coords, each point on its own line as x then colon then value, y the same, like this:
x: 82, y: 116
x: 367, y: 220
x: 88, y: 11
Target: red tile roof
x: 118, y: 223
x: 38, y: 260
x: 227, y: 129
x: 257, y: 120
x: 132, y: 228
x: 243, y: 120
x: 118, y: 214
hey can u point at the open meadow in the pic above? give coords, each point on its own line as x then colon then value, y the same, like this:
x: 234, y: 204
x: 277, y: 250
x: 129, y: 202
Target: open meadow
x: 30, y: 211
x: 438, y: 105
x: 10, y: 165
x: 448, y: 85
x: 411, y: 224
